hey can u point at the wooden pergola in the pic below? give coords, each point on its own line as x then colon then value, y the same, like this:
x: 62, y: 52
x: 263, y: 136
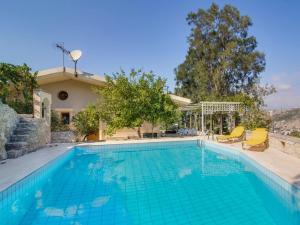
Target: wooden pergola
x: 209, y: 108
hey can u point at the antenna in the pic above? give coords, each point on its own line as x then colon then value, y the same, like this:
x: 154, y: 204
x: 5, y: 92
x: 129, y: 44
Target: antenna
x: 74, y: 55
x: 63, y: 50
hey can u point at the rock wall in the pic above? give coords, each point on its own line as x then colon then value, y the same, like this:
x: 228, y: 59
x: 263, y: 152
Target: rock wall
x: 8, y: 121
x: 40, y: 136
x: 29, y: 135
x: 63, y: 137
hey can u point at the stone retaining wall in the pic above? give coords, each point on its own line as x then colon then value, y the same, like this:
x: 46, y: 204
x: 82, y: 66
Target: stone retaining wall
x: 8, y: 121
x: 287, y: 144
x: 63, y: 137
x: 40, y: 136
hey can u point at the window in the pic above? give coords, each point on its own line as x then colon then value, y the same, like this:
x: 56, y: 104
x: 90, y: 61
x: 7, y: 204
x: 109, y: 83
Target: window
x: 43, y: 109
x: 65, y: 117
x: 63, y: 95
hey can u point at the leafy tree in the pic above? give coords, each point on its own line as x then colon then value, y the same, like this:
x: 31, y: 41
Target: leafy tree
x: 16, y: 86
x: 222, y: 62
x: 119, y: 106
x: 158, y: 108
x: 129, y: 101
x: 256, y: 118
x: 222, y: 59
x: 86, y: 122
x: 170, y: 114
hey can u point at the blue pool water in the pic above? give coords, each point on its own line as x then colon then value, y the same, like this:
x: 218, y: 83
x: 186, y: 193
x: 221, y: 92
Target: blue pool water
x: 158, y: 183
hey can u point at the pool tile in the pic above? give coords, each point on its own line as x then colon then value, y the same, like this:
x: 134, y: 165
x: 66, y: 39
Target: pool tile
x: 157, y: 183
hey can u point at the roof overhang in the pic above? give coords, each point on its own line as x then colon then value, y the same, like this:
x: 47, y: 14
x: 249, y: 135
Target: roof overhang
x: 61, y: 74
x: 58, y: 74
x: 181, y: 101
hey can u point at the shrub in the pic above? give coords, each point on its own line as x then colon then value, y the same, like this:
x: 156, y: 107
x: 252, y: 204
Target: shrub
x: 17, y: 83
x: 295, y: 134
x: 87, y: 122
x: 56, y: 123
x: 255, y: 119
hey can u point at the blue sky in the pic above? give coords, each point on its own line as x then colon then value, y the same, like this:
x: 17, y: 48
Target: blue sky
x: 151, y: 35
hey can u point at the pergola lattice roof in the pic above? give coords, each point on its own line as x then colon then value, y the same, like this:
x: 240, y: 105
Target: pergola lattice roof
x: 208, y: 108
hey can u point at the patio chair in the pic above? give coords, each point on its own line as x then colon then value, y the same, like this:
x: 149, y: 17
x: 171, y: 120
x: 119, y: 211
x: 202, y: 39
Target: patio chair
x: 259, y: 140
x: 237, y: 134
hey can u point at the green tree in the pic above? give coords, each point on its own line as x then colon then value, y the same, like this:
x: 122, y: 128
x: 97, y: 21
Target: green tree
x: 222, y: 59
x: 170, y: 113
x: 256, y: 118
x: 86, y: 122
x: 118, y: 105
x: 17, y: 83
x: 158, y: 108
x: 129, y: 101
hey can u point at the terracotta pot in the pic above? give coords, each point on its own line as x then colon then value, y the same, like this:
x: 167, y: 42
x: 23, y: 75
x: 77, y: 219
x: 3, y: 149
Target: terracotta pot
x: 93, y: 137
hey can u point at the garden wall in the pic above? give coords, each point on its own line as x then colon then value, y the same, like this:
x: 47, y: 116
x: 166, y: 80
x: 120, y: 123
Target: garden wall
x: 63, y: 137
x: 40, y: 136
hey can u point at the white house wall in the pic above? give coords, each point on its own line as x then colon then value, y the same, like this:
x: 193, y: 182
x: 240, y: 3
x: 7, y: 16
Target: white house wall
x: 79, y: 95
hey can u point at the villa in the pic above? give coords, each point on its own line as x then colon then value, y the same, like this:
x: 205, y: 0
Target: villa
x: 188, y: 180
x: 70, y: 94
x: 208, y: 157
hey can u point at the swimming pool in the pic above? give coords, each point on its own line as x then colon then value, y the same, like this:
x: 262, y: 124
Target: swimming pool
x: 186, y: 182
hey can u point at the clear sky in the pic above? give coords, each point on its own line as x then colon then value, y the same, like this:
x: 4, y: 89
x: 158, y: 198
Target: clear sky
x: 151, y: 35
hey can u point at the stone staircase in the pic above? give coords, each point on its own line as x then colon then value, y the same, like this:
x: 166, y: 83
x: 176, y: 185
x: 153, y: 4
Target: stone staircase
x: 19, y: 140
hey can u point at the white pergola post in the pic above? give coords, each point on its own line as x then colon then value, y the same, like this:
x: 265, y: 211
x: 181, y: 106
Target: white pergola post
x: 195, y: 120
x: 202, y: 118
x: 211, y: 124
x: 209, y: 108
x: 221, y: 124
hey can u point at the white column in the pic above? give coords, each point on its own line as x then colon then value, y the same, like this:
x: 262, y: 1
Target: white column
x: 102, y: 126
x: 202, y: 118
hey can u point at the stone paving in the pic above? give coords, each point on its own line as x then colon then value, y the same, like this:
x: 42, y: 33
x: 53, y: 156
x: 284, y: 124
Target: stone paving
x: 14, y: 170
x: 282, y: 164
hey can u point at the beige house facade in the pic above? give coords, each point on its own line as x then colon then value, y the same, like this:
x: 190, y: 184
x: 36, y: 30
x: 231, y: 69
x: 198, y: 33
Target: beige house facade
x: 70, y: 94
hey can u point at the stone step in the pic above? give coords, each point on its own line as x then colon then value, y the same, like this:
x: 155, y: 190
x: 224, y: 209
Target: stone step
x: 25, y: 115
x: 25, y: 125
x: 26, y: 119
x: 19, y: 137
x: 11, y: 154
x: 20, y: 145
x: 26, y: 130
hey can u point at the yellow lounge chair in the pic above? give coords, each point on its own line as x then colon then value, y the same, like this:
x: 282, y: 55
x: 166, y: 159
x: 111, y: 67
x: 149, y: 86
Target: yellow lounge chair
x: 258, y: 141
x: 237, y: 134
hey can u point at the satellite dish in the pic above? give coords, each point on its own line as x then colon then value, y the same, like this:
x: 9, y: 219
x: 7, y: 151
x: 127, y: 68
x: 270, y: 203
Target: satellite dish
x: 75, y: 55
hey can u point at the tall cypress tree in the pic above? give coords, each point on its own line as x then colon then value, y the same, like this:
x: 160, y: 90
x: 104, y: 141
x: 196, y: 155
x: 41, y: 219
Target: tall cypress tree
x: 222, y: 60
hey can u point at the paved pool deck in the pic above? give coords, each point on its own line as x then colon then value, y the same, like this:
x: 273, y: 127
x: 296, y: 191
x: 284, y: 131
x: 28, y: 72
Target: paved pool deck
x: 13, y: 170
x: 283, y: 165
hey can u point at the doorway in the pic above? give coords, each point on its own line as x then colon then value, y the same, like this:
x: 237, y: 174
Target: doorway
x: 65, y: 117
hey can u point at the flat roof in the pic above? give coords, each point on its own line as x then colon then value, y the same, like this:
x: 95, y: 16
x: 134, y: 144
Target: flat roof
x: 180, y: 100
x: 58, y: 74
x: 64, y: 73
